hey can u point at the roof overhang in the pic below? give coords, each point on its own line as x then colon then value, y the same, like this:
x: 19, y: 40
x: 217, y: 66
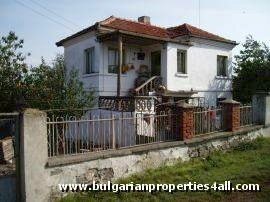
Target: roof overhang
x: 137, y: 38
x: 221, y: 41
x: 84, y: 31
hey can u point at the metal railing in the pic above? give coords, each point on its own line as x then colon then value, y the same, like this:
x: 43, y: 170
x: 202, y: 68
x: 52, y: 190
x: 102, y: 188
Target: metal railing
x: 246, y: 115
x: 106, y: 130
x: 208, y: 120
x: 122, y: 103
x: 128, y: 104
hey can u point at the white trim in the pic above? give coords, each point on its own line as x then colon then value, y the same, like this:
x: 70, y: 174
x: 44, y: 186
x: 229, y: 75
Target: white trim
x: 90, y: 75
x: 178, y: 74
x: 223, y: 78
x: 100, y: 74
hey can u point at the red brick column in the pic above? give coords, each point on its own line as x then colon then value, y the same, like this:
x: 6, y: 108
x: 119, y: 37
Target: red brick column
x: 231, y: 114
x: 186, y: 125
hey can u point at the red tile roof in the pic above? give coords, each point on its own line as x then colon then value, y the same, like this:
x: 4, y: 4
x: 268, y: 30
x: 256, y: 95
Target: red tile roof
x: 151, y: 30
x: 134, y: 26
x: 186, y: 29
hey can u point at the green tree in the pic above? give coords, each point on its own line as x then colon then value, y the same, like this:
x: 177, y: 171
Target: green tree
x: 252, y: 70
x: 44, y: 87
x: 51, y: 87
x: 12, y: 71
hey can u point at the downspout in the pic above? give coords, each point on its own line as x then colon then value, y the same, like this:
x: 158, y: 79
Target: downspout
x: 120, y: 52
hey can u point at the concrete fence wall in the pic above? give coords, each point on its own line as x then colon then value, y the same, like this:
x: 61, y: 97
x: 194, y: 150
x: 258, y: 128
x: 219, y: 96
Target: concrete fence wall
x: 41, y: 175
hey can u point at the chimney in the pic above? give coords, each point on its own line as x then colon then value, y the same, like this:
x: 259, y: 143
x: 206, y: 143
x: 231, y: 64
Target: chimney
x: 144, y: 19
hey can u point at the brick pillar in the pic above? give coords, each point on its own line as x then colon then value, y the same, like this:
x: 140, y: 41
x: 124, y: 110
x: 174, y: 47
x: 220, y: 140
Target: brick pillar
x: 186, y: 125
x: 231, y: 114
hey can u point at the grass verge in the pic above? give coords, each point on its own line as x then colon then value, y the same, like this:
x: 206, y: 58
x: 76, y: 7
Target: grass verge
x: 248, y: 163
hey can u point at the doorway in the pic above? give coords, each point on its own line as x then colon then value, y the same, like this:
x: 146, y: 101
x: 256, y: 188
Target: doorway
x: 155, y: 63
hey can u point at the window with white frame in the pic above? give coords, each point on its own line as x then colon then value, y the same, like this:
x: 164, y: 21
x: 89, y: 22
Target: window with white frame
x: 113, y: 62
x: 222, y: 63
x: 181, y: 61
x: 90, y: 61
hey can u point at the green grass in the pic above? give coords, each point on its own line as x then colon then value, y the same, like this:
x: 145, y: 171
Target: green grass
x: 248, y: 163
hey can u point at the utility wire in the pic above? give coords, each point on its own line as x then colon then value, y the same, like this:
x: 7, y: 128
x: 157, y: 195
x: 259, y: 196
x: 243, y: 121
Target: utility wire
x: 54, y: 13
x: 41, y: 14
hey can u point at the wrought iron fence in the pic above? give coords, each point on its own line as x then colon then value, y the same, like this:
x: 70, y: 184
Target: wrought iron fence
x: 128, y: 103
x: 123, y: 103
x: 246, y: 115
x: 208, y: 120
x: 104, y: 129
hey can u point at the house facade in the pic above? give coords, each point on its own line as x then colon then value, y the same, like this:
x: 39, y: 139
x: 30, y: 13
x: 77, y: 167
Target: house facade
x: 191, y: 62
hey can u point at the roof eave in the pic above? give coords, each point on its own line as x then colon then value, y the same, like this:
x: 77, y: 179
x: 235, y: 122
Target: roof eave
x: 148, y: 36
x: 84, y: 31
x: 222, y: 41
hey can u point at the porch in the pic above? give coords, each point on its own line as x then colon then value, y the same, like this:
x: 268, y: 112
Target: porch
x: 142, y: 62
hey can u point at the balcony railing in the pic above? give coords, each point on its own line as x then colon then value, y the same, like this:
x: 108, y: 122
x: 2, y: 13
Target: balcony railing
x: 151, y: 85
x: 128, y: 104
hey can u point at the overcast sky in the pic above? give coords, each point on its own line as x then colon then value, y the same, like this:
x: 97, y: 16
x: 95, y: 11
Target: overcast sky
x: 43, y: 22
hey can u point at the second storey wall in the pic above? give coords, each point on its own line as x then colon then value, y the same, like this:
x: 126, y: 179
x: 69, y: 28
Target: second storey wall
x: 201, y: 68
x: 75, y: 59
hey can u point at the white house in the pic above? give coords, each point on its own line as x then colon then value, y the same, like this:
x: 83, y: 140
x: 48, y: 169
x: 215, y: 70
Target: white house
x: 191, y: 62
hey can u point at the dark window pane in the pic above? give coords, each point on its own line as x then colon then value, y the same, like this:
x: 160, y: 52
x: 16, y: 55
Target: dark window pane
x: 113, y: 63
x: 222, y: 63
x: 90, y: 61
x: 181, y: 61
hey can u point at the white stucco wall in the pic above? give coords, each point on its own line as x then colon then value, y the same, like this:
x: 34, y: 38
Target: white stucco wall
x: 201, y: 67
x: 74, y: 58
x: 201, y: 71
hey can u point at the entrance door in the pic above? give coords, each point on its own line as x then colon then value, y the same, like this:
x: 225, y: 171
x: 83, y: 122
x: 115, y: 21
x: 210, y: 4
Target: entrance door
x: 155, y: 63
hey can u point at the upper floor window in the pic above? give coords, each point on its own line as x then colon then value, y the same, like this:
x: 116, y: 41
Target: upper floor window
x: 90, y: 61
x: 181, y: 61
x: 222, y: 63
x: 113, y: 63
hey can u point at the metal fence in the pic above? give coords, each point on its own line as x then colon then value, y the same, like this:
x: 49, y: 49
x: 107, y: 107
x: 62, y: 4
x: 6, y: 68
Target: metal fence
x: 103, y: 129
x: 246, y: 115
x: 208, y: 120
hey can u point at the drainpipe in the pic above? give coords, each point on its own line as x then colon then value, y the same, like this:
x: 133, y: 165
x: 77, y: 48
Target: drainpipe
x: 120, y: 52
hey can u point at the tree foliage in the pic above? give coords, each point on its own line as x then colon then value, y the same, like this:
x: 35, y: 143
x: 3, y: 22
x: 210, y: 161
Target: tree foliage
x: 49, y: 87
x: 252, y: 70
x: 12, y: 71
x: 44, y: 86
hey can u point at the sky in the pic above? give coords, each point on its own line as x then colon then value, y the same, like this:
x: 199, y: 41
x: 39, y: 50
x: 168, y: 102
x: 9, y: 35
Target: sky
x: 41, y: 23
